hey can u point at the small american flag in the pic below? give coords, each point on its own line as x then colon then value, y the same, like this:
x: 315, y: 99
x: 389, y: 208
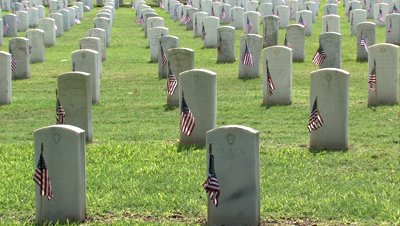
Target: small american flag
x: 301, y: 21
x: 220, y: 49
x: 161, y: 4
x: 60, y: 112
x: 271, y: 86
x: 182, y: 20
x: 6, y: 28
x: 141, y: 19
x: 187, y: 18
x: 249, y: 25
x: 187, y: 118
x: 87, y: 7
x: 395, y: 10
x: 287, y: 43
x: 223, y: 13
x: 211, y: 185
x: 13, y: 63
x: 77, y: 20
x: 381, y: 17
x: 364, y: 42
x: 41, y: 177
x: 372, y: 78
x: 164, y: 58
x: 315, y: 122
x: 390, y: 28
x: 319, y: 56
x: 203, y: 32
x: 171, y: 82
x: 247, y: 57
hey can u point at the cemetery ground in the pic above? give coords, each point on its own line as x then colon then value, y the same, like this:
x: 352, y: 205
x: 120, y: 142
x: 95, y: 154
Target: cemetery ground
x: 138, y: 173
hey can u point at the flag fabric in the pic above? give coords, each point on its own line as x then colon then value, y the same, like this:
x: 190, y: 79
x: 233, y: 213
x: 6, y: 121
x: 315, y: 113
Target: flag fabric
x: 319, y: 56
x: 395, y: 10
x: 247, y: 57
x: 220, y: 49
x: 183, y: 18
x: 60, y: 112
x: 187, y: 18
x: 163, y: 56
x: 187, y: 118
x: 141, y: 20
x: 390, y: 28
x: 301, y: 21
x: 77, y: 20
x: 13, y: 63
x: 381, y: 17
x: 249, y: 25
x: 364, y: 42
x: 372, y: 78
x: 211, y: 185
x: 5, y: 27
x: 270, y: 83
x: 286, y: 42
x: 222, y: 15
x: 315, y: 122
x: 161, y: 4
x: 203, y: 32
x: 171, y: 82
x: 87, y: 7
x: 41, y: 178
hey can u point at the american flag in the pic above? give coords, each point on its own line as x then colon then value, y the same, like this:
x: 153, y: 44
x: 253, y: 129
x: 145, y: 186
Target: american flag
x: 301, y: 21
x: 187, y: 118
x: 381, y: 17
x: 247, y: 57
x: 87, y: 7
x: 319, y: 56
x: 223, y: 13
x: 211, y: 185
x: 171, y: 82
x: 77, y: 20
x: 183, y: 18
x: 271, y: 85
x: 348, y: 12
x: 5, y: 27
x: 13, y: 63
x: 203, y: 32
x: 395, y: 10
x: 372, y: 78
x: 287, y: 43
x: 161, y: 4
x: 390, y: 28
x: 141, y: 20
x: 364, y: 42
x: 164, y: 58
x: 41, y: 177
x: 219, y: 46
x: 60, y: 112
x: 315, y: 122
x: 326, y: 26
x: 187, y: 18
x: 249, y: 25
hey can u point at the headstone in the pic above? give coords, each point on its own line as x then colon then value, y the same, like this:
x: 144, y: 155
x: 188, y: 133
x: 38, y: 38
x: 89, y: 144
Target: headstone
x: 226, y: 44
x: 166, y: 42
x: 36, y: 45
x: 295, y: 39
x: 331, y: 23
x: 197, y: 21
x: 266, y: 9
x: 152, y: 23
x: 86, y: 6
x: 252, y: 6
x: 79, y: 10
x: 104, y: 23
x: 1, y: 31
x: 350, y: 6
x: 146, y: 17
x: 225, y: 14
x: 101, y: 34
x: 206, y: 6
x: 75, y: 94
x: 270, y: 30
x: 33, y: 14
x: 304, y: 18
x: 237, y: 17
x: 59, y: 23
x: 330, y: 96
x: 10, y: 25
x: 23, y: 21
x: 370, y: 8
x: 292, y: 9
x: 92, y: 43
x: 365, y: 37
x: 41, y: 11
x: 71, y: 16
x: 250, y: 54
x: 53, y: 6
x: 48, y: 26
x: 380, y: 12
x: 189, y: 18
x: 277, y: 79
x: 179, y: 60
x: 393, y: 28
x: 62, y: 148
x: 383, y: 61
x: 87, y: 60
x: 154, y: 43
x: 19, y: 48
x: 66, y: 22
x: 357, y: 16
x: 210, y: 24
x: 331, y: 44
x: 330, y: 9
x: 232, y: 152
x: 313, y: 7
x: 198, y: 90
x: 16, y: 7
x: 5, y: 78
x: 283, y: 13
x: 250, y: 22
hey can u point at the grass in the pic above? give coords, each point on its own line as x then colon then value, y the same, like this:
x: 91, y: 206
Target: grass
x: 136, y: 173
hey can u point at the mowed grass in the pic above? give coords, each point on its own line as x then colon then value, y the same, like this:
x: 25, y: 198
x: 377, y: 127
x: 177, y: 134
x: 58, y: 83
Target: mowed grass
x: 136, y: 172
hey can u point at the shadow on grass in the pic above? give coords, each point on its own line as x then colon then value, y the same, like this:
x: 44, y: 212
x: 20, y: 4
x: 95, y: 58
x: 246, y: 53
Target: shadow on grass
x: 169, y: 108
x: 191, y: 147
x: 326, y: 151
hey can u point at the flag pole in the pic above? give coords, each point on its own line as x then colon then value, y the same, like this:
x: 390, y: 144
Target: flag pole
x: 41, y: 197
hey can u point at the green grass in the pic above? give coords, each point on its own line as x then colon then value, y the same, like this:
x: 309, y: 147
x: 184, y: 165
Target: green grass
x: 136, y: 173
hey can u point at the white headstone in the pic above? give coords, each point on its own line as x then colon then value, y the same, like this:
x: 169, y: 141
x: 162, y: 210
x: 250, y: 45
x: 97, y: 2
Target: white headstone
x: 59, y: 23
x: 393, y: 28
x: 331, y: 43
x: 330, y: 90
x: 92, y: 43
x: 197, y: 20
x: 211, y: 24
x: 63, y: 150
x: 23, y: 21
x: 198, y: 88
x: 295, y: 39
x: 101, y: 34
x: 304, y: 18
x: 282, y: 12
x: 330, y: 9
x: 270, y: 30
x: 104, y: 23
x: 48, y: 25
x: 365, y: 38
x: 331, y: 23
x: 10, y: 25
x: 66, y: 22
x: 19, y: 48
x: 75, y: 95
x: 266, y: 9
x: 33, y: 14
x: 250, y: 22
x: 152, y: 23
x: 166, y: 42
x: 357, y: 16
x: 226, y: 44
x: 154, y: 43
x: 250, y: 55
x: 235, y: 154
x: 36, y: 45
x: 237, y: 17
x: 380, y: 12
x: 5, y: 78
